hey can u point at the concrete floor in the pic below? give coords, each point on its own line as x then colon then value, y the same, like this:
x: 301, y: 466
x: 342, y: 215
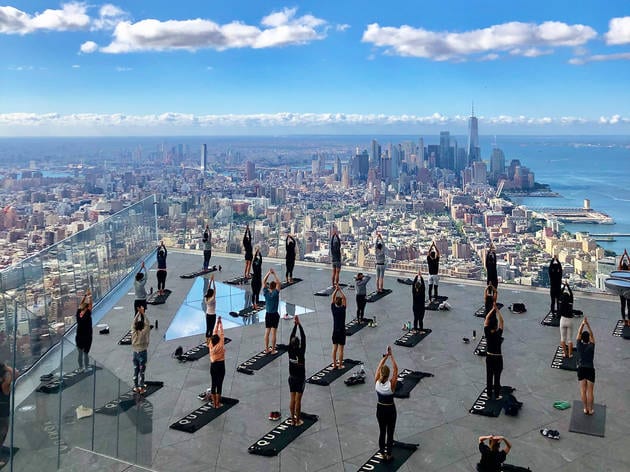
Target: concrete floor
x: 435, y: 416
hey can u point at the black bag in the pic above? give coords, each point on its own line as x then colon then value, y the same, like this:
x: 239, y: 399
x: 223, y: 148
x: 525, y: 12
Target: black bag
x: 178, y: 354
x: 512, y: 405
x: 519, y: 308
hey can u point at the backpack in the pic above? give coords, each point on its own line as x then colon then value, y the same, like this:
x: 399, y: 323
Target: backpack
x: 178, y: 354
x: 518, y: 308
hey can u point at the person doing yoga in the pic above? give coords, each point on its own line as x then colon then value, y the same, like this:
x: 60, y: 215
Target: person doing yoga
x: 161, y: 268
x: 433, y: 261
x: 297, y: 371
x: 385, y: 386
x: 624, y: 264
x: 380, y: 252
x: 256, y: 277
x: 83, y: 336
x: 216, y: 348
x: 335, y: 256
x: 140, y: 336
x: 338, y: 308
x: 586, y: 367
x: 491, y: 267
x: 290, y: 246
x: 247, y: 247
x: 492, y: 456
x: 566, y: 320
x: 360, y: 285
x: 418, y: 296
x: 555, y: 283
x: 210, y: 299
x: 206, y: 239
x: 272, y: 316
x: 493, y: 330
x: 139, y: 287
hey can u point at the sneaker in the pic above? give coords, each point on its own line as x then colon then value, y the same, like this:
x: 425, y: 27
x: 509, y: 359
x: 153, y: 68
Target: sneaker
x: 203, y: 396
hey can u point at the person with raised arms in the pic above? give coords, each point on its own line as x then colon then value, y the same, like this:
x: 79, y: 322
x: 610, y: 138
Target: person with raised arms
x: 216, y: 348
x: 290, y: 246
x: 586, y: 367
x: 247, y: 246
x: 493, y: 330
x: 433, y: 261
x: 206, y: 239
x: 360, y: 284
x: 272, y: 316
x: 139, y: 287
x: 161, y: 268
x: 491, y: 267
x: 297, y: 371
x: 385, y: 387
x: 256, y: 278
x: 418, y: 297
x: 490, y: 296
x: 555, y: 283
x: 335, y: 256
x: 624, y: 264
x: 338, y: 309
x: 566, y: 320
x: 492, y: 456
x: 379, y: 251
x: 210, y: 299
x: 140, y: 335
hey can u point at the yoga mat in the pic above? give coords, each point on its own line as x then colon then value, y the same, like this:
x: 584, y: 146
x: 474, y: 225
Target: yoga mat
x: 156, y: 299
x: 354, y: 326
x: 406, y: 281
x: 593, y: 425
x: 281, y: 436
x: 327, y: 291
x: 67, y: 381
x: 240, y: 280
x: 261, y: 359
x: 486, y: 407
x: 199, y: 352
x: 621, y: 331
x: 250, y: 310
x: 376, y: 296
x: 564, y: 363
x: 203, y: 415
x: 551, y: 320
x: 481, y: 311
x: 482, y: 347
x: 514, y: 468
x: 328, y: 375
x: 192, y: 275
x: 128, y: 400
x: 407, y: 380
x: 126, y: 339
x: 400, y: 453
x: 410, y: 339
x: 286, y: 284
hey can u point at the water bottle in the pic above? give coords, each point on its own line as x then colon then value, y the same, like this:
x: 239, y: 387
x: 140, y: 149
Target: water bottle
x: 151, y: 290
x: 408, y: 325
x: 474, y: 334
x: 362, y: 370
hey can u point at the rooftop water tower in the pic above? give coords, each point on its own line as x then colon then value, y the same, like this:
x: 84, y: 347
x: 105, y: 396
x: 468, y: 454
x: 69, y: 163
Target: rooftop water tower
x: 587, y: 204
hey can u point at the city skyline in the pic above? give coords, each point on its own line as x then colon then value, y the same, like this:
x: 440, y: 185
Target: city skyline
x: 78, y: 69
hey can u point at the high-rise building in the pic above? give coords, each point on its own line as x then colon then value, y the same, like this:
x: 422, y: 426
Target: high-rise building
x: 474, y: 152
x: 337, y: 169
x: 204, y: 158
x: 250, y: 170
x: 479, y: 173
x: 445, y: 146
x: 375, y: 154
x: 497, y: 164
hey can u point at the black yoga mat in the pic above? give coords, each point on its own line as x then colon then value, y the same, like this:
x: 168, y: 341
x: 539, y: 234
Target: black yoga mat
x: 400, y: 453
x: 67, y: 381
x: 286, y: 284
x: 156, y: 299
x: 376, y: 296
x: 593, y: 425
x: 281, y: 436
x: 261, y: 359
x: 551, y: 320
x: 327, y: 291
x: 514, y: 468
x: 564, y: 363
x: 203, y: 415
x: 481, y: 311
x: 128, y: 400
x: 354, y: 326
x: 621, y: 330
x: 410, y: 339
x: 406, y: 281
x: 250, y: 310
x: 486, y: 407
x: 126, y: 339
x: 192, y: 275
x: 239, y: 280
x: 482, y: 347
x: 328, y: 375
x: 198, y: 352
x: 407, y: 380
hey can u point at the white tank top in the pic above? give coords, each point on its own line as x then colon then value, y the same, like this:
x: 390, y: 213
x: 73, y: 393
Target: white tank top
x: 211, y: 305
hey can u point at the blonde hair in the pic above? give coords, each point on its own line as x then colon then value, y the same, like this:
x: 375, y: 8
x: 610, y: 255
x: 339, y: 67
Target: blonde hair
x: 384, y: 373
x: 83, y: 306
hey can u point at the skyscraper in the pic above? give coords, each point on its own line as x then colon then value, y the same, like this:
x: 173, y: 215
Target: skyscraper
x: 474, y: 152
x: 250, y: 170
x: 445, y: 146
x: 375, y: 154
x: 204, y: 158
x: 497, y: 164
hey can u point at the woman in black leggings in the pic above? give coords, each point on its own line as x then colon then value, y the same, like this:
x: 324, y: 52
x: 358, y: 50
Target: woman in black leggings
x: 493, y: 330
x: 385, y: 408
x: 290, y: 257
x: 256, y: 278
x: 490, y: 296
x: 247, y: 246
x: 161, y: 268
x: 418, y: 294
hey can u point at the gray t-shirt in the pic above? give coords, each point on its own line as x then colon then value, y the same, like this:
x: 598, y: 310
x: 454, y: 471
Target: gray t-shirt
x: 139, y: 287
x: 207, y: 245
x: 380, y: 254
x: 360, y: 285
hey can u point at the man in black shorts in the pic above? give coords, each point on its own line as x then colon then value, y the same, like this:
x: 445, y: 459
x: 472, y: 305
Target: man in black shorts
x: 272, y: 317
x: 338, y: 308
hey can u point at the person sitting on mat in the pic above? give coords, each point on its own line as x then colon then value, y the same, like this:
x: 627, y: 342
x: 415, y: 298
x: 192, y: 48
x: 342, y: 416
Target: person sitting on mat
x: 360, y: 285
x: 256, y: 278
x: 433, y: 261
x: 418, y: 296
x: 586, y: 367
x: 555, y: 283
x: 335, y: 256
x: 492, y: 457
x: 206, y: 239
x: 216, y: 348
x: 624, y: 264
x: 493, y: 330
x: 379, y: 251
x: 566, y: 320
x: 385, y: 387
x: 297, y: 371
x: 338, y: 308
x: 210, y: 300
x: 272, y: 316
x: 161, y: 268
x: 247, y: 246
x: 491, y: 267
x: 490, y: 296
x: 289, y: 259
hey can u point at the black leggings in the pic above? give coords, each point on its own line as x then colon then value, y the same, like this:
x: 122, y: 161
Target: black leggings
x: 494, y: 367
x: 290, y: 266
x: 554, y: 293
x: 210, y: 321
x: 625, y: 307
x: 418, y: 318
x: 361, y: 301
x: 217, y: 374
x: 256, y: 286
x: 206, y: 259
x: 161, y: 279
x: 386, y: 416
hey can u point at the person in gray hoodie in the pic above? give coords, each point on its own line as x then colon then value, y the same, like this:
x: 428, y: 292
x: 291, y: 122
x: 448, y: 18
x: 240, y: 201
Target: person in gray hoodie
x: 140, y: 332
x: 360, y: 286
x: 139, y: 285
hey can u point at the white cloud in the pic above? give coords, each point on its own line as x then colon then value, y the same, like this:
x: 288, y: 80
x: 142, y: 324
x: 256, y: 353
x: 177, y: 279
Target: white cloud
x: 342, y: 27
x: 518, y: 38
x: 71, y: 16
x: 620, y: 56
x: 20, y: 68
x: 281, y: 28
x: 618, y: 31
x: 89, y: 47
x: 110, y: 11
x: 109, y: 16
x: 76, y: 66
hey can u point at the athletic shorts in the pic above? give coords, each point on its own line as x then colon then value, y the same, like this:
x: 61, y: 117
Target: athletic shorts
x: 339, y: 337
x: 586, y: 373
x: 249, y: 256
x: 380, y: 271
x: 272, y: 320
x: 296, y: 384
x: 566, y: 329
x: 336, y: 264
x: 434, y: 279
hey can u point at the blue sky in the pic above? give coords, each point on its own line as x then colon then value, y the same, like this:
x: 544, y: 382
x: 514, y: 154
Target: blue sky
x: 216, y: 67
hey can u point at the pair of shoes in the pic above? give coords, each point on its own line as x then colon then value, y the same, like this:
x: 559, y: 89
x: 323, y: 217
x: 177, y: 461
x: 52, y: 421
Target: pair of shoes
x: 274, y: 416
x: 204, y: 396
x: 550, y: 433
x: 465, y: 340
